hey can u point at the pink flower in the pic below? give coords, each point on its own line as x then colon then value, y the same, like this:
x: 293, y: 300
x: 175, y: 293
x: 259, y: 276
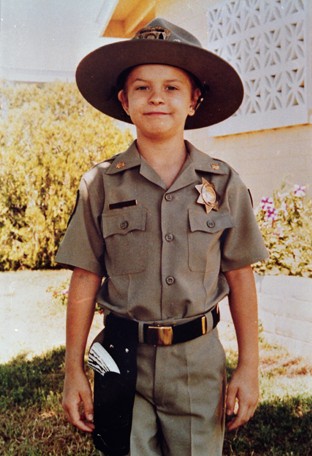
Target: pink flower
x: 299, y: 190
x: 271, y: 214
x: 266, y: 203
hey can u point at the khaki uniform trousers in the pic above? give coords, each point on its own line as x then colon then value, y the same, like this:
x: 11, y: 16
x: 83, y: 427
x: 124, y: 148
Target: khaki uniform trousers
x: 179, y: 403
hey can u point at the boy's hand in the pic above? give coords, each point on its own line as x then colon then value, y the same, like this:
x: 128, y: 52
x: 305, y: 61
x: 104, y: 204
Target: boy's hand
x: 242, y: 397
x: 77, y: 401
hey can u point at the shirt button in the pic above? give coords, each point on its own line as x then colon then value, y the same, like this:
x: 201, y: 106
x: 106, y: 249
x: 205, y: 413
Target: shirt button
x: 124, y: 225
x: 168, y: 197
x: 169, y: 237
x: 170, y: 280
x: 211, y: 224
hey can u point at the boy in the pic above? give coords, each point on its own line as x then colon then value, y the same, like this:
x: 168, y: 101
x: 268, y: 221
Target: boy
x: 172, y: 231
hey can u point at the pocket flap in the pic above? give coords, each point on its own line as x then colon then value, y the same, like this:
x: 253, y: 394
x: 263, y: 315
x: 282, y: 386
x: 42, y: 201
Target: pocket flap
x: 209, y: 223
x: 124, y: 221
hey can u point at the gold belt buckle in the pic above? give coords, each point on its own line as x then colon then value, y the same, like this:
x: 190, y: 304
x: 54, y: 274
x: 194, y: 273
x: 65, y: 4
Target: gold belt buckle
x: 159, y: 335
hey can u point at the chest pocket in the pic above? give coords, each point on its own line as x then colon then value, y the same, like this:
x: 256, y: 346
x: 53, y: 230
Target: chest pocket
x: 204, y: 239
x: 124, y: 231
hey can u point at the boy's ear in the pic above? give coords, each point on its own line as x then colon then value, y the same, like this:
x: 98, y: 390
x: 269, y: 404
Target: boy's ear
x: 197, y: 95
x: 197, y: 99
x: 123, y: 100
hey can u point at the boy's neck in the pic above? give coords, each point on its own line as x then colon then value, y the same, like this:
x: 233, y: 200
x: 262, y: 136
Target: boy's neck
x: 168, y: 151
x: 166, y: 158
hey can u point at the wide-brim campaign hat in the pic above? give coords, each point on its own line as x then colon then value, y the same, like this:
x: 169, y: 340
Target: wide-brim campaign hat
x: 163, y: 43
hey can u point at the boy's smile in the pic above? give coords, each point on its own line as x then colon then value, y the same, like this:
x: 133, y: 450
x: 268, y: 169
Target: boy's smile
x: 158, y: 98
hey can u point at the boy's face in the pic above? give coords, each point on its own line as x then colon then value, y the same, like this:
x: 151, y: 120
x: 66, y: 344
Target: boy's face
x: 158, y: 98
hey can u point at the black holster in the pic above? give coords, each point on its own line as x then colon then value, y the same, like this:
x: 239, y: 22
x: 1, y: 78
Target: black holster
x: 114, y: 393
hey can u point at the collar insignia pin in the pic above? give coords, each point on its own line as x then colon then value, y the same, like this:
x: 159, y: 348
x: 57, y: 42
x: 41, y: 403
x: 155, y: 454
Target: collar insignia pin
x: 207, y: 196
x: 215, y: 166
x: 120, y: 165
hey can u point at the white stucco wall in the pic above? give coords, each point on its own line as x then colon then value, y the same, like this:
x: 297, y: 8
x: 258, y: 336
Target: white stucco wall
x: 285, y: 312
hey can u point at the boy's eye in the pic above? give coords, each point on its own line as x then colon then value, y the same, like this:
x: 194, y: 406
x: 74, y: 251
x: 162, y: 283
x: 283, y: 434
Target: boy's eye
x: 141, y: 88
x: 170, y: 87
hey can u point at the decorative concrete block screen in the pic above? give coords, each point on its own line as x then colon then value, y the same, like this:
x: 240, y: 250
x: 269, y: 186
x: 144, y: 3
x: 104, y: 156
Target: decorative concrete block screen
x: 267, y: 41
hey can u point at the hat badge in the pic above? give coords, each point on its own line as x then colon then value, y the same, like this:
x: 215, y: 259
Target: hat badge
x: 153, y: 33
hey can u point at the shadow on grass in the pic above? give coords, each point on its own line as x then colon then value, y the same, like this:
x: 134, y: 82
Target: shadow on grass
x: 281, y: 427
x: 32, y: 422
x: 29, y: 382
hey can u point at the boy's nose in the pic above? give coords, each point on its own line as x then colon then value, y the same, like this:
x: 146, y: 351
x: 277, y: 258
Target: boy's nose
x: 156, y: 97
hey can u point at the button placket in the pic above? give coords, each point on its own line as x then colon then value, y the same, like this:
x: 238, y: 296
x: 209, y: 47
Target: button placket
x: 168, y: 249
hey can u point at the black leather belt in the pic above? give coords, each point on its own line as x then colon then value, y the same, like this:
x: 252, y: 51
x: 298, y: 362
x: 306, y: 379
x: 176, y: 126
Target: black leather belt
x: 157, y: 334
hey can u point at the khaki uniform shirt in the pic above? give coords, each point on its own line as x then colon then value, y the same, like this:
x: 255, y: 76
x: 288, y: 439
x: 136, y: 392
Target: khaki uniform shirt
x: 162, y: 255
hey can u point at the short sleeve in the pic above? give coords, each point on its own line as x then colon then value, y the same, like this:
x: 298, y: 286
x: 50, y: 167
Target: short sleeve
x: 242, y: 244
x: 83, y: 244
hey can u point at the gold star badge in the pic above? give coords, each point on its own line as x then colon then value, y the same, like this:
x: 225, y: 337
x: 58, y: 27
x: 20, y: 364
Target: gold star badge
x: 207, y: 196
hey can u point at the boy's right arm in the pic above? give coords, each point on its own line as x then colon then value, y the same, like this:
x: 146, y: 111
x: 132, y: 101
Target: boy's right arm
x: 77, y: 397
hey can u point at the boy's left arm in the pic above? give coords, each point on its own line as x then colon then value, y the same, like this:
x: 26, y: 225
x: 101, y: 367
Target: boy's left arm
x: 243, y: 389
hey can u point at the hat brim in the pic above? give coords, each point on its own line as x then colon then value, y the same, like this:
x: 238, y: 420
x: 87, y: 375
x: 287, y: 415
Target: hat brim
x: 97, y: 75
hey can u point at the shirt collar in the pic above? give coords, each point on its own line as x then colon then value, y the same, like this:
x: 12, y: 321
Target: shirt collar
x: 126, y: 160
x: 203, y: 162
x: 198, y: 161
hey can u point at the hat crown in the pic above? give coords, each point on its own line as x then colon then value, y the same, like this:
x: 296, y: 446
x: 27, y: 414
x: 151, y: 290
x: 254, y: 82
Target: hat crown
x: 160, y: 29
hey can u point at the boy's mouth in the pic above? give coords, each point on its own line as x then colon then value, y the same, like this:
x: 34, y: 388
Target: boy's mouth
x: 156, y: 113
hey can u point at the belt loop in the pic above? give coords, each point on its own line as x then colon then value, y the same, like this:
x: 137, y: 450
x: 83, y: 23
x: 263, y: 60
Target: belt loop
x: 204, y: 324
x: 209, y: 318
x: 141, y: 332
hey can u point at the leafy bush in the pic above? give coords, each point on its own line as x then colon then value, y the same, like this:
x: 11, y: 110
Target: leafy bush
x: 49, y: 137
x: 285, y: 221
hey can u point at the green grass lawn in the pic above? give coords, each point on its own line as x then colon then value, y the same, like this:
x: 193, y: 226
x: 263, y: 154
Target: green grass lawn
x: 32, y: 422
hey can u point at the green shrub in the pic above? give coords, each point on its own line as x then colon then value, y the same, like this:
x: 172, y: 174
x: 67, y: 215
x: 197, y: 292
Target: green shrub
x: 49, y: 137
x: 285, y: 221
